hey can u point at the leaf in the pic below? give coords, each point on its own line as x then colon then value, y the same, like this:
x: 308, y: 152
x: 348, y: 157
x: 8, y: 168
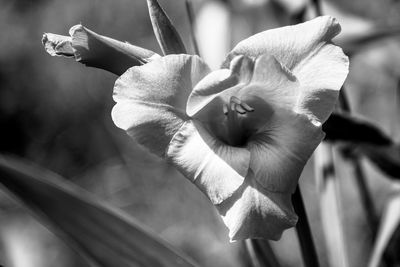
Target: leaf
x: 105, y: 236
x: 389, y: 223
x: 366, y: 140
x: 167, y: 36
x: 386, y: 158
x: 343, y: 127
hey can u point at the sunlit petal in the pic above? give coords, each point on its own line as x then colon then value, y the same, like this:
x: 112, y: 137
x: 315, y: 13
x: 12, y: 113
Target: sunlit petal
x: 253, y: 212
x: 271, y: 83
x: 306, y: 50
x: 217, y: 169
x: 151, y: 99
x: 217, y: 83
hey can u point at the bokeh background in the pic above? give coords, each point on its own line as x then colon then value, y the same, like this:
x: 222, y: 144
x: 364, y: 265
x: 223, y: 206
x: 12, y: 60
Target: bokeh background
x: 56, y: 113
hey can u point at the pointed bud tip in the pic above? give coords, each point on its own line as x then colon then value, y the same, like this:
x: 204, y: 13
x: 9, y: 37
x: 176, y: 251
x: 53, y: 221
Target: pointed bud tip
x: 57, y: 45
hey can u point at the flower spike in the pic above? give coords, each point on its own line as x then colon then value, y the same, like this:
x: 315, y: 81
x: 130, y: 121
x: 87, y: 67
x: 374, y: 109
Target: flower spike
x: 167, y: 36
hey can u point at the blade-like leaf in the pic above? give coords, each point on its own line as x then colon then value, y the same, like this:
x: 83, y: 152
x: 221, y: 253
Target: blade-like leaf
x: 165, y: 32
x: 389, y: 223
x: 366, y: 140
x: 106, y: 236
x: 343, y: 127
x: 386, y: 158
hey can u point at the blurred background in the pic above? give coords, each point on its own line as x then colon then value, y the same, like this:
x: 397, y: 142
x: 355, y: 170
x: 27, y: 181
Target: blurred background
x: 56, y: 113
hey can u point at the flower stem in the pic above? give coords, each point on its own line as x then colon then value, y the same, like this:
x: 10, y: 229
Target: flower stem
x: 303, y: 230
x: 261, y: 253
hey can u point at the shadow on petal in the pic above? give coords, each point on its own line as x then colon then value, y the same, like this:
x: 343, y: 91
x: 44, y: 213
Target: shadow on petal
x: 253, y: 212
x: 218, y: 170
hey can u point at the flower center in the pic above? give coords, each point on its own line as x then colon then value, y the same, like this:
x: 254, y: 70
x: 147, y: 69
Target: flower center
x: 235, y: 111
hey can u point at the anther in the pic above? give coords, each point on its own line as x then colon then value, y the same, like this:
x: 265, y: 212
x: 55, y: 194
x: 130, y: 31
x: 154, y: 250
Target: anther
x: 247, y: 107
x: 240, y: 109
x: 235, y: 104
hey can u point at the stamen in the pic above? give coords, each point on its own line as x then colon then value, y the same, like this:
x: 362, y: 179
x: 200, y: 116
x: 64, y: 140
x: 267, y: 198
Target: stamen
x: 233, y: 111
x: 235, y: 104
x: 247, y: 107
x: 240, y: 109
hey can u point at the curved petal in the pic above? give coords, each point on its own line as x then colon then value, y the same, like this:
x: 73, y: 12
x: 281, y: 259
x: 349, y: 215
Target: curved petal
x: 321, y: 78
x: 263, y: 79
x: 217, y: 169
x: 218, y: 82
x: 150, y: 125
x: 291, y: 45
x: 151, y: 98
x: 280, y: 150
x: 272, y: 83
x: 260, y: 84
x: 305, y: 49
x: 254, y: 212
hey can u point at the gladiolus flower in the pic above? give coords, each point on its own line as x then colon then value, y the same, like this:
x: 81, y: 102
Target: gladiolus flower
x: 242, y: 133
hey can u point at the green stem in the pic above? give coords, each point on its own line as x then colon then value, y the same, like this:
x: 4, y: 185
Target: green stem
x: 261, y: 253
x: 303, y: 230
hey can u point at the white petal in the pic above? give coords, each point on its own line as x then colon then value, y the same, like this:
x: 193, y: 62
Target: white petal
x: 219, y: 82
x: 272, y: 83
x: 217, y: 169
x: 253, y: 212
x: 151, y: 99
x: 280, y: 150
x: 167, y: 80
x: 305, y: 49
x: 148, y: 124
x: 321, y: 78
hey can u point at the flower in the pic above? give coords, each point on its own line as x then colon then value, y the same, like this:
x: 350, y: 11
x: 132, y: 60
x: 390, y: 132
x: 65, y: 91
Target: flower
x: 242, y: 133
